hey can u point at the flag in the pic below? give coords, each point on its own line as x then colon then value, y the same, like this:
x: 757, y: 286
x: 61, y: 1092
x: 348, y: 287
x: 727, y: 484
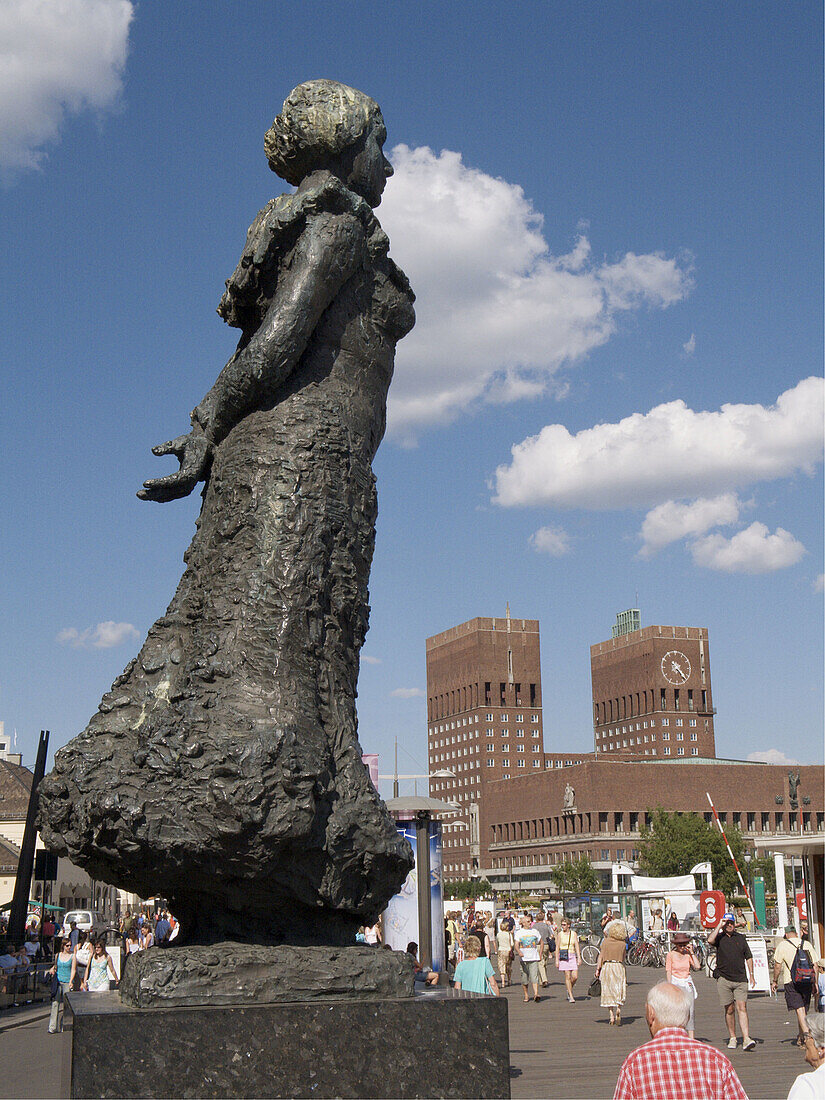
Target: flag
x: 15, y: 736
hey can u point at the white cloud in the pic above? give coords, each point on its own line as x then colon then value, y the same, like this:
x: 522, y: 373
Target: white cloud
x: 690, y: 347
x: 550, y: 540
x: 371, y: 660
x: 105, y: 635
x: 407, y: 693
x: 668, y: 453
x: 57, y: 56
x: 754, y: 550
x: 674, y: 520
x: 772, y: 756
x: 498, y: 315
x: 819, y: 583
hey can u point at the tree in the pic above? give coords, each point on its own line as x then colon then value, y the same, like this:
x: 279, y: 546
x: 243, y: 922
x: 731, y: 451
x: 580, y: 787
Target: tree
x: 675, y: 842
x: 576, y: 876
x: 468, y: 888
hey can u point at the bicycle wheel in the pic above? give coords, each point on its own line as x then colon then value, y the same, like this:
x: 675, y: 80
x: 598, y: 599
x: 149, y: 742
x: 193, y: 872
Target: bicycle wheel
x: 590, y: 954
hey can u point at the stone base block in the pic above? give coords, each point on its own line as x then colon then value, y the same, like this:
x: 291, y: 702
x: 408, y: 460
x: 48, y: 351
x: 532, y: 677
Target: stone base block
x: 245, y: 973
x: 438, y: 1044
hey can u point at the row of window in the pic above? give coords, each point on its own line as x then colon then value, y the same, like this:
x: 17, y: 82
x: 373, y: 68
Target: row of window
x: 620, y: 731
x: 643, y: 702
x: 468, y: 698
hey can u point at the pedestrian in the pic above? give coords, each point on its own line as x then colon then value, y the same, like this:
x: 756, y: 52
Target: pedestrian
x: 610, y: 969
x: 672, y: 1064
x: 421, y: 974
x: 505, y: 946
x: 372, y: 934
x: 543, y: 928
x: 672, y: 922
x: 162, y: 930
x: 568, y: 957
x: 82, y: 954
x: 479, y: 930
x: 74, y: 934
x: 475, y: 971
x: 62, y: 974
x: 820, y: 985
x: 733, y: 958
x: 678, y: 965
x: 528, y: 943
x: 607, y: 918
x: 811, y: 1086
x: 98, y: 969
x: 793, y: 968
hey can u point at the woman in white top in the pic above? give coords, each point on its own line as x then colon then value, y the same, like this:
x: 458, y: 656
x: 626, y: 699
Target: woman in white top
x: 82, y: 954
x: 98, y: 970
x: 504, y: 950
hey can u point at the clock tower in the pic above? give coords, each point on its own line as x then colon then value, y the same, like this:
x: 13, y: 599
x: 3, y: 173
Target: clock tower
x: 652, y: 692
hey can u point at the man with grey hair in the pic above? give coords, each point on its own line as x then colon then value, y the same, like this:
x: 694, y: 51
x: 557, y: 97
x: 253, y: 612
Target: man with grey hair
x: 672, y: 1064
x: 811, y: 1086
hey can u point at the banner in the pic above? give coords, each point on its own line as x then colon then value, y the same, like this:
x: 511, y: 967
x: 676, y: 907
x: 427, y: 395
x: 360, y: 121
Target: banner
x: 401, y: 914
x: 370, y: 762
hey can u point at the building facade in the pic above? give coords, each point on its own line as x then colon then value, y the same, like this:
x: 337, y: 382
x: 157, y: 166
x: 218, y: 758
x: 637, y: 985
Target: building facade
x: 521, y: 810
x: 652, y: 692
x: 599, y: 807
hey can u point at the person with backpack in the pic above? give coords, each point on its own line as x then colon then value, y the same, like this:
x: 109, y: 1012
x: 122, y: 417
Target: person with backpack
x: 793, y: 967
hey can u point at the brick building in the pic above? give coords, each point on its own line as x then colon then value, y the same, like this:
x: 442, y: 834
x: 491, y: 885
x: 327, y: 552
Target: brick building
x: 652, y: 692
x: 522, y: 810
x: 597, y: 808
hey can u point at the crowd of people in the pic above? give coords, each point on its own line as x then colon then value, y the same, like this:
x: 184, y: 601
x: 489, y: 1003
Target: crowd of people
x: 674, y: 1062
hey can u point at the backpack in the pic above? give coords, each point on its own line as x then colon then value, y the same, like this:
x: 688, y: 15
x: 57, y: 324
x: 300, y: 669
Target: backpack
x: 802, y: 970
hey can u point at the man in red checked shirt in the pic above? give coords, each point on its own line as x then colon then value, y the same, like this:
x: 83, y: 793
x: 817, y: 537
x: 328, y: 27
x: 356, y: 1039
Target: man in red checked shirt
x: 672, y: 1064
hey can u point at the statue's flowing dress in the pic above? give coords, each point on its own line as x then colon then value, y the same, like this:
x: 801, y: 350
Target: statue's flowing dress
x: 245, y: 801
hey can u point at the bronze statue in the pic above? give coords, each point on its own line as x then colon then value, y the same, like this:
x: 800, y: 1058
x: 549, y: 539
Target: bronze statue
x: 223, y: 769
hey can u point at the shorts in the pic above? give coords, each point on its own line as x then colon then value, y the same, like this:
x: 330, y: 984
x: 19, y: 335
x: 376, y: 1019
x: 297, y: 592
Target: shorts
x: 530, y: 971
x: 798, y: 996
x: 731, y: 991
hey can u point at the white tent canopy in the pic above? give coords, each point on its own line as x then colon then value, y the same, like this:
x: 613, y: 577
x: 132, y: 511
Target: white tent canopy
x: 674, y: 884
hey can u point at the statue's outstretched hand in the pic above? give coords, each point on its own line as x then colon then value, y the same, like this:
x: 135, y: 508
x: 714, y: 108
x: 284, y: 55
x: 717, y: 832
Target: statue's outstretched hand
x: 194, y: 452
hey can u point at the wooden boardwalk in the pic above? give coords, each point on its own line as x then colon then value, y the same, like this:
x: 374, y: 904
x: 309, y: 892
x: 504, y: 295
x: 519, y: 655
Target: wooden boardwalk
x: 562, y: 1050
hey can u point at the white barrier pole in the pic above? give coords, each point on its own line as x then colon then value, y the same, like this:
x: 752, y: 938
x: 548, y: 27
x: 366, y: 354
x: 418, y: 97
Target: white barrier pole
x: 781, y: 895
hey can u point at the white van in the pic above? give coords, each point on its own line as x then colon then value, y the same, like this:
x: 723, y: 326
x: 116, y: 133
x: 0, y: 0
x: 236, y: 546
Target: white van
x: 85, y: 920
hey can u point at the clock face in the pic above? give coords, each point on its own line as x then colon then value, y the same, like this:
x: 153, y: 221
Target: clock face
x: 675, y: 667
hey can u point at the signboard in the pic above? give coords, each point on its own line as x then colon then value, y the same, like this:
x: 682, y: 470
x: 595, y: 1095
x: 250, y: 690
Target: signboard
x: 711, y: 907
x: 801, y: 906
x: 761, y: 973
x: 401, y: 914
x: 370, y: 762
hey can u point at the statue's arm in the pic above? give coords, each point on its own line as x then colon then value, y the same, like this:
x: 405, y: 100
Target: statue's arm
x: 329, y: 251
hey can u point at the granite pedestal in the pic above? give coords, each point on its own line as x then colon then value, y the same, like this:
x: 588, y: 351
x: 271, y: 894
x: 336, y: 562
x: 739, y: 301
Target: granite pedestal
x: 439, y: 1043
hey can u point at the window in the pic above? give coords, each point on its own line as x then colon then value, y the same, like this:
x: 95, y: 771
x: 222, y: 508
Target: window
x: 519, y: 717
x: 505, y: 763
x: 535, y: 733
x: 605, y: 853
x: 679, y: 722
x: 535, y: 719
x: 491, y: 747
x: 665, y: 736
x: 488, y: 717
x: 694, y: 737
x: 506, y: 775
x: 694, y: 752
x: 680, y: 737
x: 680, y: 752
x: 519, y: 763
x: 751, y: 822
x: 490, y: 762
x: 537, y: 763
x: 691, y: 721
x: 536, y: 748
x: 665, y: 721
x: 766, y: 823
x: 519, y: 748
x: 519, y: 733
x: 620, y: 853
x: 667, y: 751
x: 505, y: 718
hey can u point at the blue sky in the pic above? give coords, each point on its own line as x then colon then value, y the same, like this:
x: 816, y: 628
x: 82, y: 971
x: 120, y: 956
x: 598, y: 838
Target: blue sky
x: 611, y: 214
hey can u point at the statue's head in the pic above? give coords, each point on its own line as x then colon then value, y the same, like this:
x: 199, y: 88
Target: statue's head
x: 327, y: 125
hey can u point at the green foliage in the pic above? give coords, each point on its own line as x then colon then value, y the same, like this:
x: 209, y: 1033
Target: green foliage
x: 675, y: 842
x: 468, y: 888
x: 576, y: 876
x: 764, y: 866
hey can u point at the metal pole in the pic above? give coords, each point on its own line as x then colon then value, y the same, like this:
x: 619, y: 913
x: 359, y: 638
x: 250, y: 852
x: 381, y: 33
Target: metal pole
x: 25, y: 864
x: 732, y: 857
x: 422, y: 859
x: 395, y: 779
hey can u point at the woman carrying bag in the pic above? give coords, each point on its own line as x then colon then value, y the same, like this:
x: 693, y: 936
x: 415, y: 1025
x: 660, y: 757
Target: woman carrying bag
x: 61, y: 974
x: 678, y: 965
x: 474, y: 973
x: 610, y: 968
x: 568, y: 957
